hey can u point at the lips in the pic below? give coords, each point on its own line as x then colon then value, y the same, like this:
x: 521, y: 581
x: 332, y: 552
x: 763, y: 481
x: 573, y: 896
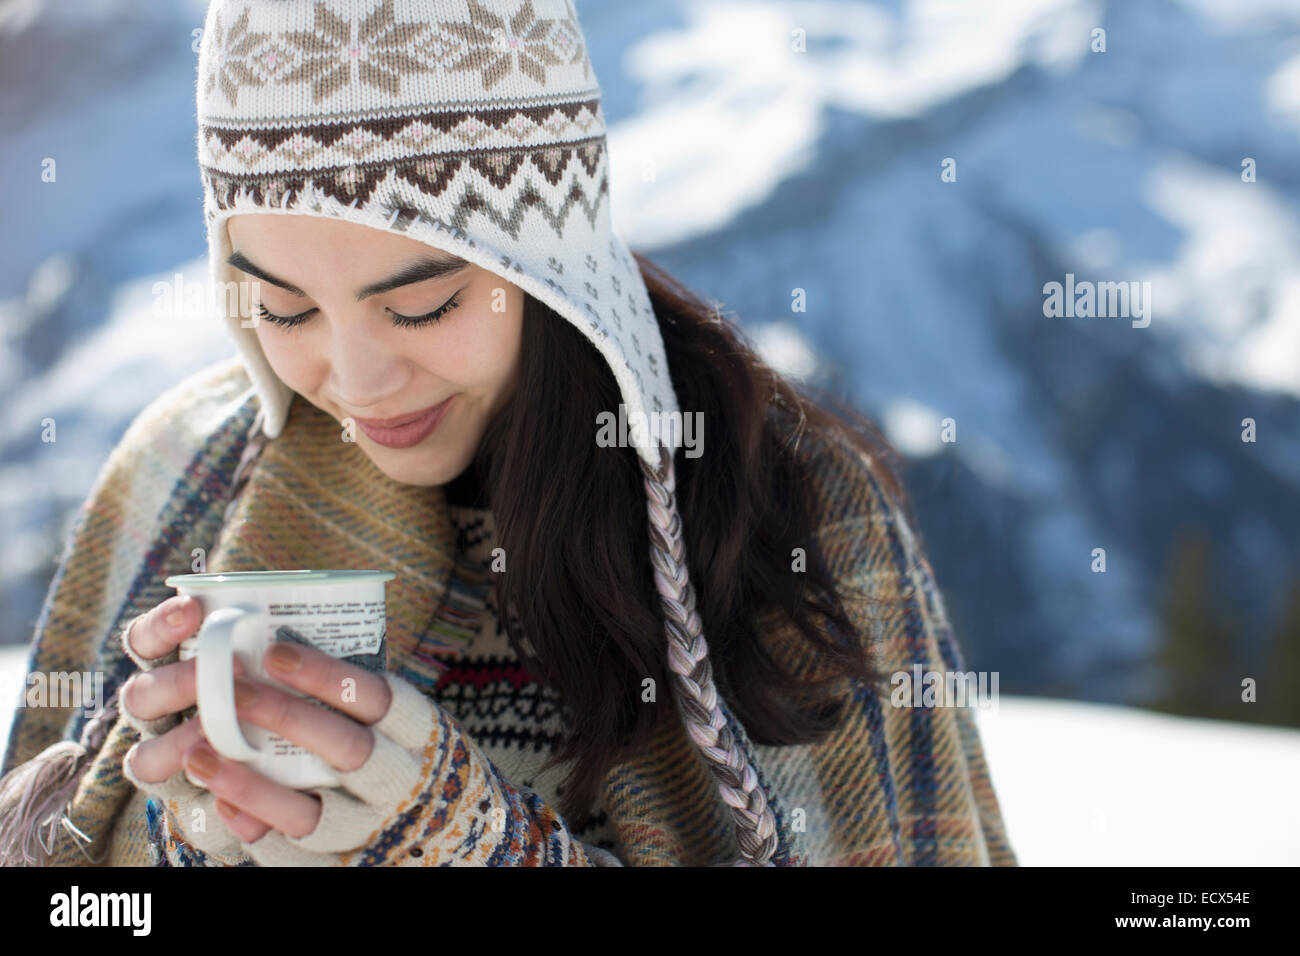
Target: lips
x: 396, y: 421
x: 403, y: 431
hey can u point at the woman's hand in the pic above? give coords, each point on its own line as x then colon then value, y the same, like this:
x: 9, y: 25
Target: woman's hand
x: 153, y: 700
x: 248, y: 803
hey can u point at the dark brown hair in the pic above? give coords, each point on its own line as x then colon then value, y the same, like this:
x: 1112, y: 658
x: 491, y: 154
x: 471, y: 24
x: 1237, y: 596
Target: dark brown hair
x: 571, y: 518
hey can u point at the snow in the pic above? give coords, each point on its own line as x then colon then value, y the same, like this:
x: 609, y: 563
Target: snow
x: 739, y: 91
x: 1236, y: 278
x: 1096, y: 785
x: 782, y: 346
x: 913, y: 428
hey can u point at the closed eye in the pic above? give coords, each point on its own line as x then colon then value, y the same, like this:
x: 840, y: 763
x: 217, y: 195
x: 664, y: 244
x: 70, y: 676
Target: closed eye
x: 401, y: 321
x: 409, y: 321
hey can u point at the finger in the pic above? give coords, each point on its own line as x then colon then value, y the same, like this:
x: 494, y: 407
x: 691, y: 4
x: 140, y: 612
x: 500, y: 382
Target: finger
x: 177, y: 787
x: 166, y: 690
x: 158, y: 632
x: 290, y: 811
x: 157, y: 759
x: 338, y: 740
x: 161, y: 692
x: 249, y: 829
x: 148, y: 729
x: 153, y: 701
x: 352, y: 690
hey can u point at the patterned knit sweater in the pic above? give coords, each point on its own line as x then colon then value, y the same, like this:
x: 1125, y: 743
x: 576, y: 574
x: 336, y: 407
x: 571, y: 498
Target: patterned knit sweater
x: 514, y: 719
x: 890, y: 786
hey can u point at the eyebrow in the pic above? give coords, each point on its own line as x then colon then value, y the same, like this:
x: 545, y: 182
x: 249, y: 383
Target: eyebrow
x: 429, y: 267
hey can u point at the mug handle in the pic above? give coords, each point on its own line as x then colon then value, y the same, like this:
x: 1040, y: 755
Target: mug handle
x: 215, y: 678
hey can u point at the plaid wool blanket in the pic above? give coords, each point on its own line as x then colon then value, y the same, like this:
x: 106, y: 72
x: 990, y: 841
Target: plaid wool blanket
x: 895, y: 784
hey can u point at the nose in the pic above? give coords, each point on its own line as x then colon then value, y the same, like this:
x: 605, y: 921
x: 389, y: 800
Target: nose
x: 365, y: 370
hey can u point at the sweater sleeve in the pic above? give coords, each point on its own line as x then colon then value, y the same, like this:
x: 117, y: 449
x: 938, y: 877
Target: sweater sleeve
x: 427, y: 796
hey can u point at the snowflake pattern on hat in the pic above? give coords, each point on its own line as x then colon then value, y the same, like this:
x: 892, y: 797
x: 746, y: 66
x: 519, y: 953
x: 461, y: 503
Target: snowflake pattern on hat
x: 335, y: 53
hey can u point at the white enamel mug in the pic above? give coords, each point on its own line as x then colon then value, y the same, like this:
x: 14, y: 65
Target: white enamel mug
x: 338, y: 612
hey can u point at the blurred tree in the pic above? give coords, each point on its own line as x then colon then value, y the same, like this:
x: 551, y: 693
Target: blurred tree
x: 1280, y: 684
x: 1199, y: 656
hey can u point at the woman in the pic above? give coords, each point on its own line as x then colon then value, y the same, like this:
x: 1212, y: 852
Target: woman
x: 453, y: 368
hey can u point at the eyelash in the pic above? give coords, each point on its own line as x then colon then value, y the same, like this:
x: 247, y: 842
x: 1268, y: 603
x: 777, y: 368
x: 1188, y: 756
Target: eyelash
x: 401, y: 321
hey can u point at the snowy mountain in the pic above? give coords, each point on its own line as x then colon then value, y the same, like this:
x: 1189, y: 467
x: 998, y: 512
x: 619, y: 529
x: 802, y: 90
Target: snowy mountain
x: 821, y: 171
x: 763, y: 148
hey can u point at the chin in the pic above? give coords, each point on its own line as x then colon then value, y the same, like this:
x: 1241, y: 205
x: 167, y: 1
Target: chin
x: 418, y: 466
x: 413, y: 473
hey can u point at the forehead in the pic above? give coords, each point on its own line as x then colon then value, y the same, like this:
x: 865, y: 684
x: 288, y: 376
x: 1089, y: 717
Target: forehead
x: 314, y: 249
x: 298, y: 230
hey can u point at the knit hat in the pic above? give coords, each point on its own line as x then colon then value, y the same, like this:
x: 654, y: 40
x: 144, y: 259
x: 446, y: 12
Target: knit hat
x: 475, y: 127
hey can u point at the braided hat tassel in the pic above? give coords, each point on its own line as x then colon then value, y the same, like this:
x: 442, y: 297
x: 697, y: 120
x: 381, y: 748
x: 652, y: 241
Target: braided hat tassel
x: 688, y: 658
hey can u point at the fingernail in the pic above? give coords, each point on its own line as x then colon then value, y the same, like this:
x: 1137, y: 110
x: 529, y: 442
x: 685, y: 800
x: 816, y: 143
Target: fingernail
x: 283, y: 658
x: 245, y: 693
x: 227, y: 809
x: 177, y: 617
x: 202, y: 761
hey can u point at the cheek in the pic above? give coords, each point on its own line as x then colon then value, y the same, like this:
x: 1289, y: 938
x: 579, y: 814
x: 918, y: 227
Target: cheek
x: 291, y: 364
x: 479, y: 350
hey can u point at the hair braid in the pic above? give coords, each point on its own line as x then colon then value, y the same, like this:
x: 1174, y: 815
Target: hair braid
x: 688, y: 658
